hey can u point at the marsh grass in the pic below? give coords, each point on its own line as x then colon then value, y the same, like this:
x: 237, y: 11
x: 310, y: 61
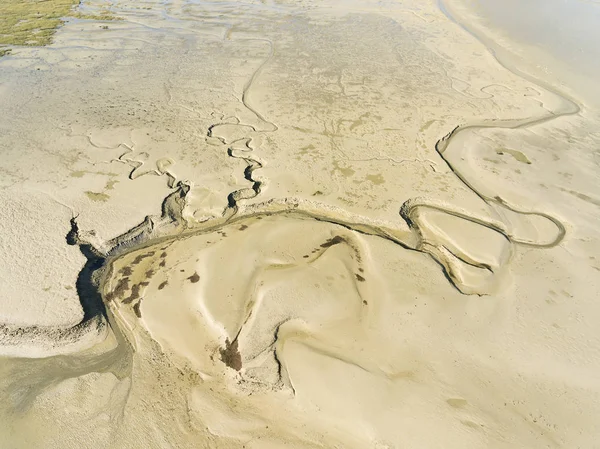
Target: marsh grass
x: 31, y: 22
x: 34, y: 22
x: 104, y: 15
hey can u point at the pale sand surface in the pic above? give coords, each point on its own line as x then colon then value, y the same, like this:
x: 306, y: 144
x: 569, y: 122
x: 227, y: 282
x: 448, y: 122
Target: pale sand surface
x: 297, y: 224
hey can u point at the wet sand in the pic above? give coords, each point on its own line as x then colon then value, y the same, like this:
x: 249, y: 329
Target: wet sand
x: 302, y: 225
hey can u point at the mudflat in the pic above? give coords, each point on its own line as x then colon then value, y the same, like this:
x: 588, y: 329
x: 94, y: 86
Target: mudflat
x: 294, y: 224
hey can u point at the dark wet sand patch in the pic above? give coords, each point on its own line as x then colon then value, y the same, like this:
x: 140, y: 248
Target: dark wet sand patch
x: 119, y: 290
x: 141, y: 257
x: 135, y: 292
x: 230, y: 355
x: 333, y: 241
x: 136, y: 309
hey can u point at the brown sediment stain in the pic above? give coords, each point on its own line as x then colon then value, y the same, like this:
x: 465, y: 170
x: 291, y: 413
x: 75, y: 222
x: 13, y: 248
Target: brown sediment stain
x: 163, y: 285
x: 110, y: 185
x: 456, y: 402
x: 97, y: 196
x: 149, y: 273
x: 307, y: 149
x: 163, y: 255
x: 347, y: 172
x: 194, y: 278
x: 359, y: 278
x: 361, y: 269
x: 333, y: 241
x: 162, y: 263
x: 427, y: 125
x: 243, y: 227
x: 126, y: 271
x: 230, y: 355
x: 136, y: 309
x: 376, y: 179
x: 119, y: 290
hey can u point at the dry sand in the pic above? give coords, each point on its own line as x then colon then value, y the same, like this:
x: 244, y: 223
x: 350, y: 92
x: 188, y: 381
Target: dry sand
x: 296, y: 224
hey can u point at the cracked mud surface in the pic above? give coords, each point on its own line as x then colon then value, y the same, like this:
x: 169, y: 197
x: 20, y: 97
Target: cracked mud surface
x: 294, y: 225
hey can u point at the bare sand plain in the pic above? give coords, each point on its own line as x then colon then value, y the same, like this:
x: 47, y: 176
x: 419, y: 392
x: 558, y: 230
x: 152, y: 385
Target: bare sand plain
x: 295, y: 224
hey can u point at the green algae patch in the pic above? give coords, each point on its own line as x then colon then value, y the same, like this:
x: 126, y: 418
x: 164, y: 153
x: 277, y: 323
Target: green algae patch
x: 514, y: 153
x: 34, y: 22
x: 97, y: 196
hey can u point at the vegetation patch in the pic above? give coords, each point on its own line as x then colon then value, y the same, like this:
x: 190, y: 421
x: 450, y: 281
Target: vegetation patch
x: 34, y: 22
x: 100, y: 16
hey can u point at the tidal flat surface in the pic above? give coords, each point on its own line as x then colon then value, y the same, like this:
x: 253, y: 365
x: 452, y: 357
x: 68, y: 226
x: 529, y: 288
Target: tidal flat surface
x: 295, y: 224
x: 568, y: 30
